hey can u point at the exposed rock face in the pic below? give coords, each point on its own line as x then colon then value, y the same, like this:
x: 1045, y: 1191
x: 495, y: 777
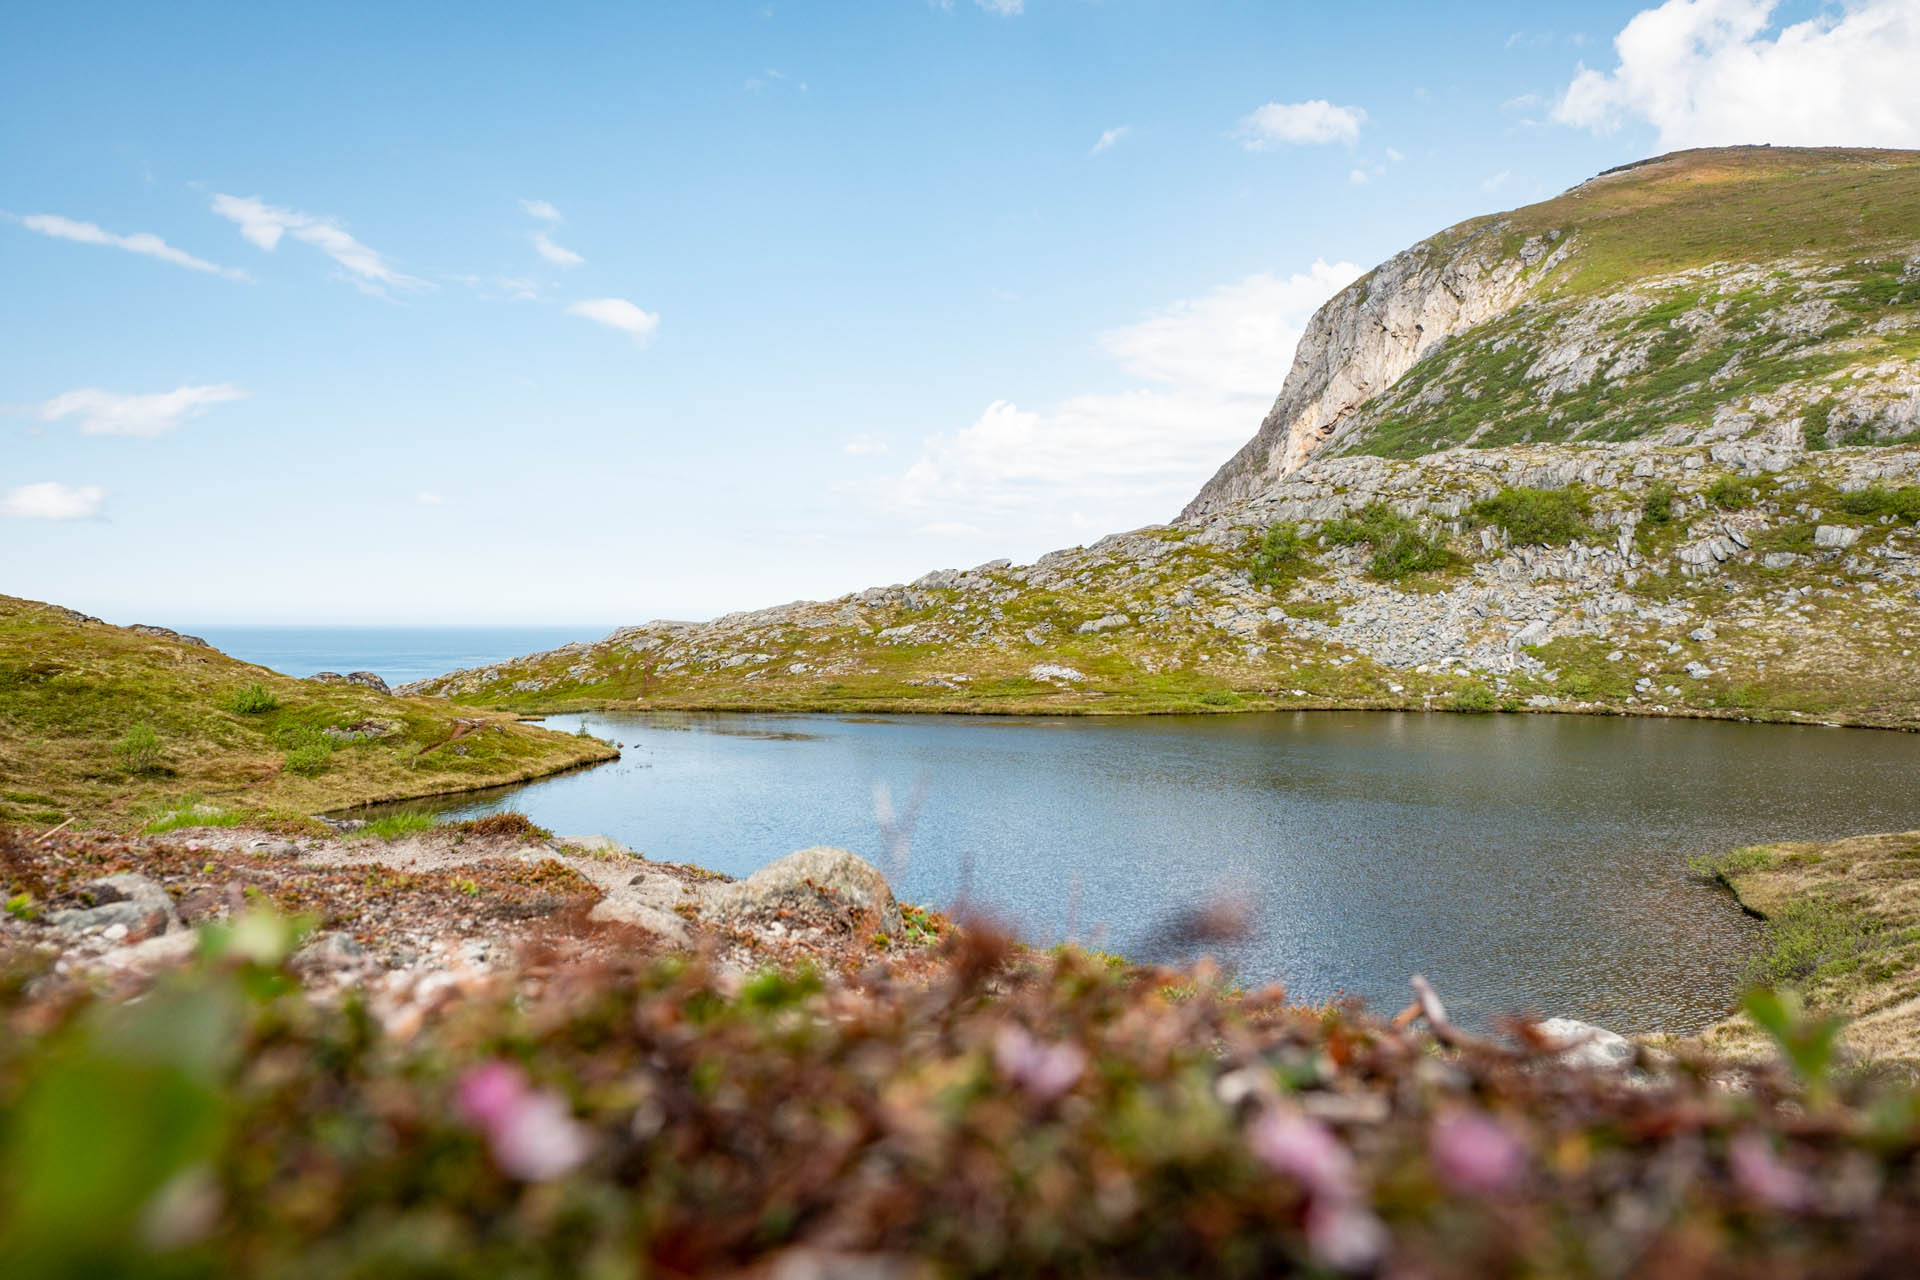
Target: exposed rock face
x: 1372, y: 332
x: 160, y: 633
x: 365, y: 679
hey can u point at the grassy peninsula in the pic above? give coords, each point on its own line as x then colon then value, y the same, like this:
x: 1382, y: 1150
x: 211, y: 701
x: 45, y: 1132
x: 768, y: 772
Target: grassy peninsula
x: 120, y: 729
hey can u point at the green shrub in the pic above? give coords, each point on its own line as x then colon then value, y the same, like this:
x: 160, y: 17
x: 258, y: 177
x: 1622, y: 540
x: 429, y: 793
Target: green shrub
x: 1474, y: 699
x: 1902, y: 503
x: 1281, y: 556
x: 1657, y: 508
x: 394, y: 825
x: 1400, y: 547
x: 139, y: 751
x: 309, y: 760
x: 253, y: 700
x: 1731, y: 493
x: 1535, y: 517
x: 1219, y: 698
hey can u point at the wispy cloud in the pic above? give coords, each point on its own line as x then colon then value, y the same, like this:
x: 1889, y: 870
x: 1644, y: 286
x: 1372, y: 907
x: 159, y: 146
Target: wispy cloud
x: 951, y: 529
x: 110, y: 413
x: 427, y: 498
x: 264, y: 224
x: 140, y: 242
x: 1111, y: 460
x: 1497, y: 181
x: 864, y: 444
x: 51, y: 500
x: 1003, y: 8
x: 618, y: 313
x: 770, y: 75
x: 1299, y: 123
x: 559, y: 256
x: 1712, y: 72
x: 1110, y: 139
x: 542, y: 210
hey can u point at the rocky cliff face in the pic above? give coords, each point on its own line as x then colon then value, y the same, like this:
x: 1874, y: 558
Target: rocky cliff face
x: 1744, y: 293
x: 1360, y: 343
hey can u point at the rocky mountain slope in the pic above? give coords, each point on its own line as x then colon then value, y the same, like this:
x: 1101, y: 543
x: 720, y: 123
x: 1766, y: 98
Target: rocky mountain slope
x: 1752, y: 292
x: 1643, y: 448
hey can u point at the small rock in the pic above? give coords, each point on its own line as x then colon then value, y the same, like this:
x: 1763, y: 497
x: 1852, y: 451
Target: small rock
x: 818, y: 876
x: 135, y: 902
x: 1835, y: 536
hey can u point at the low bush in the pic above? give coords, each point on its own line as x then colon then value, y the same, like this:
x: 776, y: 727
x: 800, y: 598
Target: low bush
x: 1281, y: 556
x: 1731, y: 493
x: 1474, y: 699
x: 1535, y: 517
x: 508, y: 822
x: 1902, y: 503
x: 1401, y: 548
x: 253, y: 700
x: 139, y: 751
x: 1657, y: 507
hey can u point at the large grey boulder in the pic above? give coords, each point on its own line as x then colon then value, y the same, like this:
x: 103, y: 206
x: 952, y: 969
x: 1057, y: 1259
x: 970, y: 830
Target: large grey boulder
x: 809, y: 880
x: 1585, y: 1045
x: 136, y: 902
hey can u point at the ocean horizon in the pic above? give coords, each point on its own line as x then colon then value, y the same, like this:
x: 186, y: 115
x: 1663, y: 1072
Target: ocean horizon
x: 398, y: 655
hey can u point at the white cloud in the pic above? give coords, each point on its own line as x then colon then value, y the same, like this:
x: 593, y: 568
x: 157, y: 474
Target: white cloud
x: 618, y: 313
x: 1003, y: 8
x: 1110, y: 139
x: 264, y: 225
x: 542, y: 210
x: 50, y: 500
x: 951, y: 529
x: 109, y: 413
x: 427, y: 498
x: 141, y: 242
x: 554, y: 253
x: 1314, y: 121
x: 1356, y: 176
x: 1394, y: 156
x: 1114, y: 460
x: 1497, y: 181
x: 864, y: 445
x: 1714, y: 72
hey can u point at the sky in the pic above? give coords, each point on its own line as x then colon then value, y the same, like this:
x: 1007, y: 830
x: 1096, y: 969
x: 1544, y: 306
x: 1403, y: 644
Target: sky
x: 509, y: 313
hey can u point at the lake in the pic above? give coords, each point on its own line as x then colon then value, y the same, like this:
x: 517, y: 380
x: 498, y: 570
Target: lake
x: 1523, y: 863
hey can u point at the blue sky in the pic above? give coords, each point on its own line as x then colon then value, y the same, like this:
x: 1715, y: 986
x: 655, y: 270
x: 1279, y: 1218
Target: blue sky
x: 597, y: 313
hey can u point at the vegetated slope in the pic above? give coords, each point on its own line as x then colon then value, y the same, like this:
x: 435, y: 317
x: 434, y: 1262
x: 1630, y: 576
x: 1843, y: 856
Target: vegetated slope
x: 1750, y: 292
x: 1730, y: 581
x: 114, y: 726
x: 1613, y: 359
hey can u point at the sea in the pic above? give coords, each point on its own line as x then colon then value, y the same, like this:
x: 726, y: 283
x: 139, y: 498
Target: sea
x: 398, y: 655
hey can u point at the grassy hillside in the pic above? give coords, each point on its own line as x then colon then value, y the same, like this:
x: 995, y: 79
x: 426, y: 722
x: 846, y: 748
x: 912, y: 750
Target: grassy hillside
x: 1843, y: 922
x: 1770, y: 293
x: 116, y: 728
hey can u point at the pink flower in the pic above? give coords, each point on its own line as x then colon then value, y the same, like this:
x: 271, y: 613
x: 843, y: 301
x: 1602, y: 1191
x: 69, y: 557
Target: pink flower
x: 1476, y: 1154
x: 1044, y: 1071
x: 1342, y: 1232
x: 1304, y: 1149
x: 1762, y: 1176
x: 532, y: 1136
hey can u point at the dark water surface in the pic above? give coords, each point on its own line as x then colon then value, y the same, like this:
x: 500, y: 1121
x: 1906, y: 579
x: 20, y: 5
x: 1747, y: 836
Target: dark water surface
x: 1521, y: 862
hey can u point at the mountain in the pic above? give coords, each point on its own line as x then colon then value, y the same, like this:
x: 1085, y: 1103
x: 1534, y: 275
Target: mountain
x: 1647, y: 447
x: 1738, y: 293
x: 122, y: 726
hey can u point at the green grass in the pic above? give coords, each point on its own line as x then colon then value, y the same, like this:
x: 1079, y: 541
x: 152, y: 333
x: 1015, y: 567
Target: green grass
x: 113, y: 728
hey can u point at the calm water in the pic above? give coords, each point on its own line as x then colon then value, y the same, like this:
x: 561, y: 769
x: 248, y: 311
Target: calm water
x: 397, y: 655
x: 1521, y: 862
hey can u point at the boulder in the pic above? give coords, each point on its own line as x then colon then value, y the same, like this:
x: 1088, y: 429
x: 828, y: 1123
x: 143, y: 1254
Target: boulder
x: 810, y: 879
x: 1585, y: 1045
x: 365, y: 679
x: 1833, y: 537
x: 129, y: 899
